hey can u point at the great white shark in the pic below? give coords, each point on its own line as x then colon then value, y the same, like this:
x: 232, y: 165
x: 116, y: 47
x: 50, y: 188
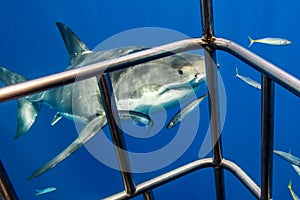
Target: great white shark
x: 162, y: 82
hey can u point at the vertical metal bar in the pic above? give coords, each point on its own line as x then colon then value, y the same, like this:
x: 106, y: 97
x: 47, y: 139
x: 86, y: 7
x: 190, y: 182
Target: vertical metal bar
x: 7, y: 191
x: 267, y: 129
x: 148, y: 195
x: 212, y: 84
x: 207, y: 19
x: 113, y: 119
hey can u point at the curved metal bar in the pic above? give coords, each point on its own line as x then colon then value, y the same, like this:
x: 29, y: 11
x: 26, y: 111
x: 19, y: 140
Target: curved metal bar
x: 70, y: 76
x: 278, y: 75
x: 165, y: 178
x: 243, y: 177
x: 63, y: 78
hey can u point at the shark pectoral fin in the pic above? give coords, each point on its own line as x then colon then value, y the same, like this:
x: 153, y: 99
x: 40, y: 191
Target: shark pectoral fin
x: 89, y: 131
x: 55, y: 119
x: 27, y: 113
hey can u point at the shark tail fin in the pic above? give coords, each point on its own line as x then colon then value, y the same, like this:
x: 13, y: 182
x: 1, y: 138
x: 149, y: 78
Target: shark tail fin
x: 251, y: 41
x: 27, y: 110
x: 74, y: 45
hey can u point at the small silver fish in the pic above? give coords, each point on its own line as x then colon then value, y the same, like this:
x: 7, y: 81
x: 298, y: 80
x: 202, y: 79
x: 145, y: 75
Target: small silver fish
x: 295, y: 197
x: 271, y: 41
x: 288, y: 157
x: 44, y: 191
x: 180, y: 115
x: 296, y: 168
x: 247, y: 80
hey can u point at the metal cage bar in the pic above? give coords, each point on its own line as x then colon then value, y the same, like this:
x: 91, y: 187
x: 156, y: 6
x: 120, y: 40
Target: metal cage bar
x: 148, y: 195
x: 114, y: 123
x: 270, y: 74
x: 214, y: 105
x: 278, y: 75
x: 7, y: 191
x: 165, y: 178
x: 267, y: 131
x: 243, y: 177
x: 70, y: 76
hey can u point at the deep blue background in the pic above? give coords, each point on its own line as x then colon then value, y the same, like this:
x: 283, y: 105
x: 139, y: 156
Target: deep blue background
x: 31, y: 45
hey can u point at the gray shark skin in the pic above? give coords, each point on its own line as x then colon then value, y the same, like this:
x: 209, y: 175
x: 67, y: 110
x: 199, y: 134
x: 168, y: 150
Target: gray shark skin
x: 162, y: 82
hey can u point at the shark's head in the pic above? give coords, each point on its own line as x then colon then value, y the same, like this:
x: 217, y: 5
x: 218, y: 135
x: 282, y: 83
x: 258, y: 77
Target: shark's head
x: 189, y: 68
x: 161, y: 82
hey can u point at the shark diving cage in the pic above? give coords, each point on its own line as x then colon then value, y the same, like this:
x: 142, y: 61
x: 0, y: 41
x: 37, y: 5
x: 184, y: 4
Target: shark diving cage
x: 269, y: 74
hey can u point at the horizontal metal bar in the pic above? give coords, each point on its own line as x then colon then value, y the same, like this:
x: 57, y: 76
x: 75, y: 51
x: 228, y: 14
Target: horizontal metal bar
x: 165, y: 178
x: 23, y: 89
x: 242, y: 176
x: 189, y: 168
x: 278, y: 75
x: 67, y: 77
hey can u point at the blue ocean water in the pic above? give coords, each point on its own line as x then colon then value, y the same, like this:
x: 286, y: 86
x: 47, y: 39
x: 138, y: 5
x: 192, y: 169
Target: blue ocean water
x: 32, y: 46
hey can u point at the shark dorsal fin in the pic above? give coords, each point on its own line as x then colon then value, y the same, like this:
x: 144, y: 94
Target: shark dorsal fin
x: 74, y: 45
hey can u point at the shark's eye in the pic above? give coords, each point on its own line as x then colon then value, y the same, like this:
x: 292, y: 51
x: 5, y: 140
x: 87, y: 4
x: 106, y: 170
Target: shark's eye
x: 180, y: 72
